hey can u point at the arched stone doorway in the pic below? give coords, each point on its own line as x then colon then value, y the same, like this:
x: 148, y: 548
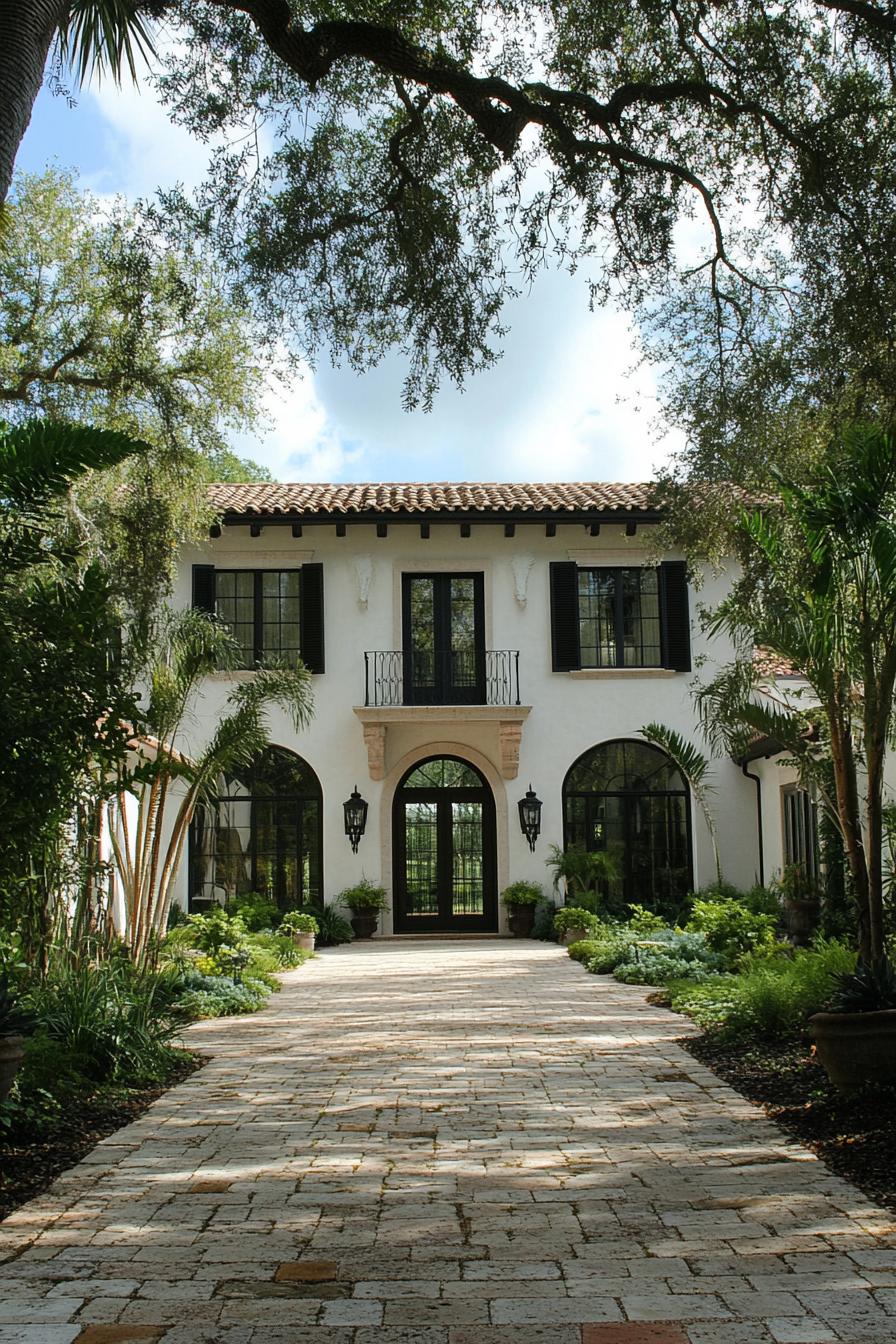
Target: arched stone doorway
x: 444, y: 864
x: 629, y: 799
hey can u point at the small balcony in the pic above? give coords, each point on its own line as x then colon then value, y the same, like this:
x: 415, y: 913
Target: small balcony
x: 394, y: 677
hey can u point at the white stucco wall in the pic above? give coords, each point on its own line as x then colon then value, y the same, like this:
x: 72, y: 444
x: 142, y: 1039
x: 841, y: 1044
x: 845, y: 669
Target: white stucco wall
x: 570, y: 712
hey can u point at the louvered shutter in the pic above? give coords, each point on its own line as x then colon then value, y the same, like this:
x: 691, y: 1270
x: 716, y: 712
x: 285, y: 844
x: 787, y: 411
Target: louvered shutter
x: 676, y: 615
x: 204, y: 588
x: 565, y: 616
x: 311, y: 617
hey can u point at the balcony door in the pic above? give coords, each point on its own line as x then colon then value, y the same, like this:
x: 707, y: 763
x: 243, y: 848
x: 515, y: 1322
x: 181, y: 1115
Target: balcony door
x: 444, y: 860
x: 443, y: 641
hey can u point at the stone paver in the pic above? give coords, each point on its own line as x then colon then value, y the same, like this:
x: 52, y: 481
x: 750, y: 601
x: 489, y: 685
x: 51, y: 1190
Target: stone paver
x: 449, y: 1143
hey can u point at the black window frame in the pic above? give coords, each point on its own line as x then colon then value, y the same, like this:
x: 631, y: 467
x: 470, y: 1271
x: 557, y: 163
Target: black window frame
x: 301, y: 799
x: 619, y: 615
x: 258, y: 621
x: 799, y: 823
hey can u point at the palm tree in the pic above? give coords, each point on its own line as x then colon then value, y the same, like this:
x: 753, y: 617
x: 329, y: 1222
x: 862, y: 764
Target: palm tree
x: 167, y: 780
x: 583, y: 872
x: 822, y: 595
x: 696, y: 769
x: 92, y: 34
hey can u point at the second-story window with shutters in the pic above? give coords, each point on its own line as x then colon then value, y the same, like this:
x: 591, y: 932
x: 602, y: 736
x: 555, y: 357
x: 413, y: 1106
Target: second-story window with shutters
x: 275, y: 615
x: 620, y: 617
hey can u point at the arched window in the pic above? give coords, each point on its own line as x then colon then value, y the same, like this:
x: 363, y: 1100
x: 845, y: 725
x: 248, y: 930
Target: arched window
x: 262, y: 833
x: 630, y: 800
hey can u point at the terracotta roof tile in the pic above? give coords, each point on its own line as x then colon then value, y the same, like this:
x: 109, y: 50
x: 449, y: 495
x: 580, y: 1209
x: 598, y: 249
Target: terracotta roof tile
x: 276, y: 497
x: 768, y: 664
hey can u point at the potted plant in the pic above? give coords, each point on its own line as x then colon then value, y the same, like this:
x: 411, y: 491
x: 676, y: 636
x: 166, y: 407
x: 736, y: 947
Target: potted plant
x: 800, y: 903
x: 573, y: 923
x: 521, y: 899
x: 302, y: 929
x: 365, y: 901
x: 856, y: 1039
x: 14, y: 1022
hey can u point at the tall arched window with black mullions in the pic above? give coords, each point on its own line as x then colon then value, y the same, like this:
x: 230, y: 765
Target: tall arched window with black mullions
x: 262, y: 833
x: 630, y: 800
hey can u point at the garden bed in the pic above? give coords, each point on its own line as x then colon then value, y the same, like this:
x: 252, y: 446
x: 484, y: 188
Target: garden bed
x: 28, y: 1166
x: 853, y: 1135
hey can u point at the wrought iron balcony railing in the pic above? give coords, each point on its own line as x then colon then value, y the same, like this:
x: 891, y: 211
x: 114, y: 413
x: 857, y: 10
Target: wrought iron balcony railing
x: 442, y: 677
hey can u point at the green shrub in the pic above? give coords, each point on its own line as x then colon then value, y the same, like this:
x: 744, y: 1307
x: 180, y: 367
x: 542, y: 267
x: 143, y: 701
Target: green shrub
x: 216, y: 929
x: 334, y: 928
x: 220, y: 996
x: 771, y: 997
x: 113, y: 1022
x: 271, y: 952
x: 730, y: 929
x: 257, y: 912
x: 584, y: 950
x: 294, y: 921
x: 667, y: 955
x: 522, y: 893
x: 575, y: 917
x: 645, y: 921
x: 543, y: 923
x: 364, y: 898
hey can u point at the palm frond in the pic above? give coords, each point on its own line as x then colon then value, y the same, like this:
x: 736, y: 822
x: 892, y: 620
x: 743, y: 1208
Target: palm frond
x: 105, y: 35
x: 40, y: 458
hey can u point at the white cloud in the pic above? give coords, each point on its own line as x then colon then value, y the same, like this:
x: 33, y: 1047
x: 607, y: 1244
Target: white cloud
x: 302, y: 443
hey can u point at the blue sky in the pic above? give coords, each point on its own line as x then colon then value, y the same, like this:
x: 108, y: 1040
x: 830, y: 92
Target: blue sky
x: 560, y: 405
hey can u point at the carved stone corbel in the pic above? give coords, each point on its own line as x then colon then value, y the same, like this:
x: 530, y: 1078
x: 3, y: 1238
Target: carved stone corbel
x: 510, y: 734
x: 375, y: 742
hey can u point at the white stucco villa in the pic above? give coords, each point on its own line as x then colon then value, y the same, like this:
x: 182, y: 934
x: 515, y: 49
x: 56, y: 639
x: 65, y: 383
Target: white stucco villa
x: 467, y: 642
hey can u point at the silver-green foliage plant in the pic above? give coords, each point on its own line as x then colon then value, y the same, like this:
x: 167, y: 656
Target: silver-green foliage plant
x: 771, y: 997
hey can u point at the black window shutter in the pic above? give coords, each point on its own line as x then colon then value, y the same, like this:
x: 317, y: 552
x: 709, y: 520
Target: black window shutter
x: 676, y: 615
x: 311, y: 617
x: 204, y: 588
x: 565, y: 616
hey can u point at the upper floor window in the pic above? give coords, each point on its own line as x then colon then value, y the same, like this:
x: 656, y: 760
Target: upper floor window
x: 620, y: 617
x: 275, y: 615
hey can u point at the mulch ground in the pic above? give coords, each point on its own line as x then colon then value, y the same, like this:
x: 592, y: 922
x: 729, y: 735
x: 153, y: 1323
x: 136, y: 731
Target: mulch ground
x: 29, y: 1165
x: 853, y: 1135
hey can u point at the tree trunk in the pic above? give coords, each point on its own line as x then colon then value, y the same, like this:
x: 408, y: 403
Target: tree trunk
x: 850, y: 821
x: 27, y: 29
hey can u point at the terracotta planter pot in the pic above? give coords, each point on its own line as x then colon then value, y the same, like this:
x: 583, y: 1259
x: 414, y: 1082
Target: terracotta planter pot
x: 521, y: 918
x: 364, y: 925
x: 11, y: 1056
x: 574, y: 936
x: 856, y: 1048
x: 304, y: 941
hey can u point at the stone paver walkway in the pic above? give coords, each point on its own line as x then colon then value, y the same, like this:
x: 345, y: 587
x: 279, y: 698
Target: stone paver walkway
x: 449, y: 1143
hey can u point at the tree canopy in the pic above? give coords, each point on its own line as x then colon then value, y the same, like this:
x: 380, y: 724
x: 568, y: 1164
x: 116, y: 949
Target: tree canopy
x: 393, y: 171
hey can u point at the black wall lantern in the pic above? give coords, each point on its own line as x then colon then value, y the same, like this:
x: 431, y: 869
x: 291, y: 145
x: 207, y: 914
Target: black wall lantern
x: 530, y: 817
x: 355, y: 809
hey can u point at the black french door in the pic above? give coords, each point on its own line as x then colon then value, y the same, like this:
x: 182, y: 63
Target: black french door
x: 445, y: 875
x: 443, y: 641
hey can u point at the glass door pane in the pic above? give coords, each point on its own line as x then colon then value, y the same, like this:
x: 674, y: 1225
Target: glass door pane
x: 467, y: 897
x: 420, y: 640
x: 421, y: 859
